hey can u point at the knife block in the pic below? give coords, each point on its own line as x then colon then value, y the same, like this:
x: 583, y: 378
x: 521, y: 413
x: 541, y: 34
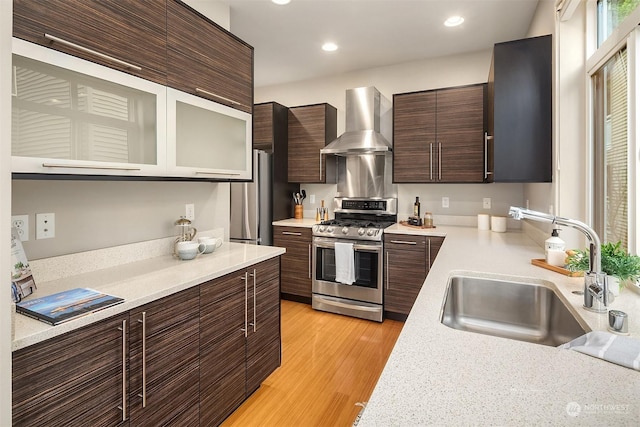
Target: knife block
x: 297, y: 212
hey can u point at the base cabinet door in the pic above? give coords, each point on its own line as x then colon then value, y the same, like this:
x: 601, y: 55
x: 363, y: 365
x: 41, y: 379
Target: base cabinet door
x: 263, y: 338
x: 406, y: 269
x: 76, y: 379
x: 163, y: 354
x: 296, y: 262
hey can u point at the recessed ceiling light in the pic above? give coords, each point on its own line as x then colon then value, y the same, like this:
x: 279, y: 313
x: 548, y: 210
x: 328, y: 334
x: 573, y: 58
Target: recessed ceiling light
x: 281, y: 2
x: 454, y: 21
x: 329, y: 47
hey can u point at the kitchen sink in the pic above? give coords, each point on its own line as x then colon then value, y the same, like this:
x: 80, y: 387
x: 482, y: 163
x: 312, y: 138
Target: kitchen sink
x: 530, y: 312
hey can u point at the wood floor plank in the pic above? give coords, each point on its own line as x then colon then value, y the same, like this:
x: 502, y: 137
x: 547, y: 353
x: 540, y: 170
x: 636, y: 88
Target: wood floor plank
x: 329, y: 364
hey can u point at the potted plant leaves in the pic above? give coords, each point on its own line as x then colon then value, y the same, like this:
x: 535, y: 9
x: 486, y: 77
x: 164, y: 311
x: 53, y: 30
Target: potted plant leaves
x: 621, y: 267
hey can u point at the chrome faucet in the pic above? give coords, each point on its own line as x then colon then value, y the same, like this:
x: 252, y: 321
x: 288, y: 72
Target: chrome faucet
x: 596, y: 288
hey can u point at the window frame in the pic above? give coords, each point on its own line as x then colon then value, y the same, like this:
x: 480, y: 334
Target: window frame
x: 626, y: 34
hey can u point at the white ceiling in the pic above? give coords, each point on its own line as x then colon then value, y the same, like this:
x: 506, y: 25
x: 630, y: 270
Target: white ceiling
x: 370, y: 33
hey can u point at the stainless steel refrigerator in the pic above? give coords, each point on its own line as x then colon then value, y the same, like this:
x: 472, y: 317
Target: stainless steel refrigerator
x: 252, y: 204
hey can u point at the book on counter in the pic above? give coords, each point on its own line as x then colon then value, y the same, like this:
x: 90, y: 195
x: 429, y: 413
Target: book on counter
x: 64, y: 306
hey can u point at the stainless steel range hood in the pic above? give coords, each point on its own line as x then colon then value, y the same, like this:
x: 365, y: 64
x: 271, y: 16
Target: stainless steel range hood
x: 367, y: 124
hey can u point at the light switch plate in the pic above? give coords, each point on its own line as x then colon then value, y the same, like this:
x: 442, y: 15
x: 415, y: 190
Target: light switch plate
x: 190, y: 211
x: 486, y: 203
x: 445, y: 202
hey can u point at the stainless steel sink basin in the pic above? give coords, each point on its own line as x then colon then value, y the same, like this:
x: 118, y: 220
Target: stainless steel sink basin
x: 529, y: 312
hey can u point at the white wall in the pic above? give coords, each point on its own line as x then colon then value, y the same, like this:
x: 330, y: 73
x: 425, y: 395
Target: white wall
x: 408, y: 77
x: 217, y: 11
x: 5, y: 209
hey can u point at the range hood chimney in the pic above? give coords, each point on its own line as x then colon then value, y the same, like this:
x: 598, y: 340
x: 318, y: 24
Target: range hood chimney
x: 368, y: 116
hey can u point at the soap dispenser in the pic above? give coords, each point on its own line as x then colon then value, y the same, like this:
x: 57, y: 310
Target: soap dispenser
x: 554, y: 249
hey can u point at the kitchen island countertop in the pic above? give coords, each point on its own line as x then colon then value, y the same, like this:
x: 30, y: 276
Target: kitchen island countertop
x: 292, y: 222
x: 139, y: 283
x: 436, y: 375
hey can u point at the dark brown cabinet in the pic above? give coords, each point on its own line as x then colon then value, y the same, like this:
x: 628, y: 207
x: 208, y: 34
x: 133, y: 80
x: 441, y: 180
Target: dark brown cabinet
x: 295, y: 275
x: 311, y: 127
x: 163, y: 361
x: 408, y: 259
x: 79, y: 378
x: 520, y: 111
x: 127, y: 35
x: 439, y: 135
x: 270, y: 134
x: 205, y: 60
x: 239, y: 337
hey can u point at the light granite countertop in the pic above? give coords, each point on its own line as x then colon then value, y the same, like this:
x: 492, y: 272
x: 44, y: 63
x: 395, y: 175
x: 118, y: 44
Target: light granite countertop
x: 138, y: 283
x: 292, y: 222
x: 436, y: 375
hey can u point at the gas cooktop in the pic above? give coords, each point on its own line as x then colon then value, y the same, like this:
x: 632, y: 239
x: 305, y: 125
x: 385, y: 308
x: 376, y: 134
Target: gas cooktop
x: 351, y: 229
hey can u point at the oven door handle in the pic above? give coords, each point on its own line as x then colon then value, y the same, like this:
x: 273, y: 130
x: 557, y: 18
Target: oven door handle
x: 360, y: 248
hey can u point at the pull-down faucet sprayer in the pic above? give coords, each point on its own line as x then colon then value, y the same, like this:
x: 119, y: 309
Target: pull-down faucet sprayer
x: 596, y: 288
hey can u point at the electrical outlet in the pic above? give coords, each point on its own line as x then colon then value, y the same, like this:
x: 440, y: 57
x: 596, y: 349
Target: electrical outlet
x: 190, y: 211
x: 445, y: 202
x: 527, y: 204
x: 45, y: 226
x: 312, y: 199
x: 21, y: 223
x: 486, y: 203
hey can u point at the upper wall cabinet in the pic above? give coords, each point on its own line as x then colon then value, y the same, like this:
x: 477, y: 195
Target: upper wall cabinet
x: 96, y: 122
x: 438, y: 135
x: 520, y: 111
x: 128, y: 35
x: 311, y: 127
x: 207, y: 61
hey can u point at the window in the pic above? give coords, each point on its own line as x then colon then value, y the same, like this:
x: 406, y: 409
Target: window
x: 610, y: 14
x: 610, y: 149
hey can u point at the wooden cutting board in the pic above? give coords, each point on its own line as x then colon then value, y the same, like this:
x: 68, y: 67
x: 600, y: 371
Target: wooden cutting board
x: 542, y: 263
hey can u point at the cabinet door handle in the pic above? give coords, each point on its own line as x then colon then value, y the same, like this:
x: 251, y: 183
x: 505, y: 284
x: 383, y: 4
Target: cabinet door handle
x: 487, y: 137
x: 144, y: 359
x: 387, y: 263
x: 403, y: 242
x: 123, y: 408
x: 213, y: 95
x: 246, y: 303
x: 439, y: 161
x: 309, y: 261
x: 429, y: 253
x: 92, y: 52
x: 105, y: 167
x: 320, y: 174
x: 431, y: 161
x: 255, y: 308
x: 292, y: 233
x: 217, y: 173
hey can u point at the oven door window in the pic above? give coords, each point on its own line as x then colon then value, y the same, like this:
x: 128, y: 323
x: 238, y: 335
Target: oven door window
x: 366, y: 267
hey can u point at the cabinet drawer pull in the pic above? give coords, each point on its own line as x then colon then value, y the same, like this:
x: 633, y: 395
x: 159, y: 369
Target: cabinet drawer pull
x: 143, y: 395
x: 403, y: 242
x: 123, y: 408
x: 105, y: 167
x: 292, y: 233
x: 92, y: 52
x: 211, y: 94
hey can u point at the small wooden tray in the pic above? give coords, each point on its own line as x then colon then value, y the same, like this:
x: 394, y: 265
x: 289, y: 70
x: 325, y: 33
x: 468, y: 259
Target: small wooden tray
x: 542, y: 263
x: 421, y: 227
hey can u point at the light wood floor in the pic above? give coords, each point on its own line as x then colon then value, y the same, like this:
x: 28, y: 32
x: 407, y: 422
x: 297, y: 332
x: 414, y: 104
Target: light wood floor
x: 329, y: 363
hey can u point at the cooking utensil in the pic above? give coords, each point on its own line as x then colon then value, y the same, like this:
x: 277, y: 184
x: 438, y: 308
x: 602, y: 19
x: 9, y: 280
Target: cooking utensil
x: 304, y: 196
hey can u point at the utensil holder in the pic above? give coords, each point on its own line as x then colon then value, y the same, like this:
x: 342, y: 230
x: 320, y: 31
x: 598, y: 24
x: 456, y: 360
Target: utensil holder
x: 297, y: 212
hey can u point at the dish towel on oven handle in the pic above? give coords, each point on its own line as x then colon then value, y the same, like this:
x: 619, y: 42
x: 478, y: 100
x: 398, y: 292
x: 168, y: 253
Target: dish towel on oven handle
x: 345, y: 264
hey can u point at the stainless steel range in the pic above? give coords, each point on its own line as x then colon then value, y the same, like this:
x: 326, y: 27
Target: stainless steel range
x: 352, y: 242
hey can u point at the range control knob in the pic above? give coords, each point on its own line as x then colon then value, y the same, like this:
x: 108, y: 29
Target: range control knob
x: 361, y: 231
x: 371, y: 232
x: 322, y: 228
x: 330, y: 229
x: 345, y: 230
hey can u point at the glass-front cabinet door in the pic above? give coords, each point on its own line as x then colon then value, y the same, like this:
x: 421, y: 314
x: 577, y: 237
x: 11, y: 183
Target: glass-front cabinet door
x: 207, y: 139
x: 72, y: 116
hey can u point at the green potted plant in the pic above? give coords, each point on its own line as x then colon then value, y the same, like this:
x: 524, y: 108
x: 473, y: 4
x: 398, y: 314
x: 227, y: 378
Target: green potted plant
x: 615, y: 262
